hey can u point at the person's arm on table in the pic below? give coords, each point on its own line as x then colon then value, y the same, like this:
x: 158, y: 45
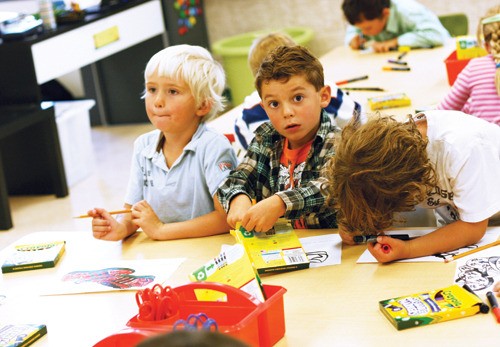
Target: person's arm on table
x: 447, y: 238
x: 212, y: 223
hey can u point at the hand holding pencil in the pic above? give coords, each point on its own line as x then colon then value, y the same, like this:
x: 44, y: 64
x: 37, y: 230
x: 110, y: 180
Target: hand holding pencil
x: 106, y: 227
x: 88, y: 215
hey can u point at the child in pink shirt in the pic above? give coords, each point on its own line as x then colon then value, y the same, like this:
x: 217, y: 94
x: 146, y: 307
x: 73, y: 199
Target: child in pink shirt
x: 477, y: 88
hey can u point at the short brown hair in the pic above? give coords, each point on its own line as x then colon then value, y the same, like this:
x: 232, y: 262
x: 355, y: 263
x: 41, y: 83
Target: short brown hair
x: 262, y: 45
x: 285, y: 62
x: 379, y: 168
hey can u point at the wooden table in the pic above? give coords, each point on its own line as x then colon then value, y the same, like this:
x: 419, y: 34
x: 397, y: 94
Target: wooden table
x: 426, y: 83
x: 327, y: 306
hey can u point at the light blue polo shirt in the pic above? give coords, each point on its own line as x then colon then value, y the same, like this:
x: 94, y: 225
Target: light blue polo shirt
x: 186, y: 190
x: 412, y: 23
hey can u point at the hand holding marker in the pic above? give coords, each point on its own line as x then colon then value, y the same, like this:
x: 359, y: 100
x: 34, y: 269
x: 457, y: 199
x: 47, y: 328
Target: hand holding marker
x: 373, y: 238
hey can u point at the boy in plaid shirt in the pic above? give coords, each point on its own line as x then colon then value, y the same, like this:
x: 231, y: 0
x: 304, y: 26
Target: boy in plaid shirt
x: 281, y: 169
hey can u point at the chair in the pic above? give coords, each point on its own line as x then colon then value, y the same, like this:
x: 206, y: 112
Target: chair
x: 457, y: 24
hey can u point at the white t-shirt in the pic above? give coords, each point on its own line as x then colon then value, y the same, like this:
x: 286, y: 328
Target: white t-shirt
x: 465, y: 152
x: 185, y: 190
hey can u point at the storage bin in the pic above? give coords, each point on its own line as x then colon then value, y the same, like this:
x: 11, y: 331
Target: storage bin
x: 234, y: 52
x: 73, y: 127
x: 241, y: 316
x: 454, y: 66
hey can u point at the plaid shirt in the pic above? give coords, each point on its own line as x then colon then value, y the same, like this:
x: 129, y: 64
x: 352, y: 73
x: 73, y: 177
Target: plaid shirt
x: 257, y: 175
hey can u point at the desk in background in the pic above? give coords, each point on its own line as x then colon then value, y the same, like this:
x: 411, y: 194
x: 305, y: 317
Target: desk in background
x: 426, y: 84
x: 30, y: 156
x: 326, y: 306
x: 28, y: 63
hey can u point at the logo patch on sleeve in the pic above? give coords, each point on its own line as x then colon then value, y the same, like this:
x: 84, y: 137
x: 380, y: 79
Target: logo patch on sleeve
x: 225, y: 166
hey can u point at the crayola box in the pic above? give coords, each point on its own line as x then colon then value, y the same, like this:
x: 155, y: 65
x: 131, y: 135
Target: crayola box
x: 276, y: 250
x: 232, y: 267
x: 430, y: 307
x: 389, y: 101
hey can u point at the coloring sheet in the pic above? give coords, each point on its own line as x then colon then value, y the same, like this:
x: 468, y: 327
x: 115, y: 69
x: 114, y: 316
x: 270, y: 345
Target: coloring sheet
x: 479, y: 270
x: 323, y: 250
x: 491, y: 235
x: 114, y: 275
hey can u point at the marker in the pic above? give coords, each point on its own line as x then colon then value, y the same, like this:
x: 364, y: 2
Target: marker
x: 373, y: 238
x: 494, y: 305
x: 393, y: 68
x: 402, y: 55
x: 352, y: 80
x: 361, y: 37
x: 365, y: 89
x: 399, y: 62
x: 483, y: 308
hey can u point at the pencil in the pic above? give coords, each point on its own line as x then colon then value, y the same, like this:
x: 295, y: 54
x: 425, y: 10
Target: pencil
x: 402, y: 55
x: 472, y: 251
x: 393, y: 68
x: 352, y: 80
x: 110, y: 212
x: 398, y: 62
x: 368, y: 89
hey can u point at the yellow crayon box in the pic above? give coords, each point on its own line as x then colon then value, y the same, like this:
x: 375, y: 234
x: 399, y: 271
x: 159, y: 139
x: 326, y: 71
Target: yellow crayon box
x: 277, y: 250
x: 389, y: 101
x: 430, y: 307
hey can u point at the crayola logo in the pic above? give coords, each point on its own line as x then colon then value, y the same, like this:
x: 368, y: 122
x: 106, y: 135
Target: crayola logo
x: 452, y: 299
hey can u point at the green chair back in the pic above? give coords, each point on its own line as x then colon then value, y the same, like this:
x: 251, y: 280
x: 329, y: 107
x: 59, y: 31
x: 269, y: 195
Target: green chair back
x: 457, y: 24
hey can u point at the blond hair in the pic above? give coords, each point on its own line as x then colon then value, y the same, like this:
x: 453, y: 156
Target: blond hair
x: 379, y: 168
x: 197, y: 68
x: 489, y: 33
x: 262, y: 45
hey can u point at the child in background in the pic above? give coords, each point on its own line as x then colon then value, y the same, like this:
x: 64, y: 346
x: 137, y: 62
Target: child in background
x: 476, y: 90
x: 443, y: 160
x: 176, y: 168
x: 281, y: 169
x: 392, y: 23
x: 341, y: 107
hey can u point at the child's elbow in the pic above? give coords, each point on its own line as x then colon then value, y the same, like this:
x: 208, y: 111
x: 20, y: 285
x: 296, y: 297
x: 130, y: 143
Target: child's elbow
x: 478, y: 229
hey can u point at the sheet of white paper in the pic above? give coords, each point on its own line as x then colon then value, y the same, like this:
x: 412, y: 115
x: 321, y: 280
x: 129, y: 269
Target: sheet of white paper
x: 491, y: 235
x: 114, y: 275
x: 479, y: 270
x: 323, y: 250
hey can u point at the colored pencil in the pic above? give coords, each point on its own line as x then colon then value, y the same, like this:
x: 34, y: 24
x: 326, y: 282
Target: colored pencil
x: 110, y: 212
x: 394, y: 68
x: 472, y: 251
x: 367, y: 89
x: 352, y: 80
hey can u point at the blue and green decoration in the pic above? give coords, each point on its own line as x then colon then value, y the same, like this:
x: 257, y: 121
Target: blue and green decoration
x: 188, y: 10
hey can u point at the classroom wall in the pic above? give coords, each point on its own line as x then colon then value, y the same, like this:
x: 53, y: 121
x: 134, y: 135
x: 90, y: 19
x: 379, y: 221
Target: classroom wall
x: 226, y: 18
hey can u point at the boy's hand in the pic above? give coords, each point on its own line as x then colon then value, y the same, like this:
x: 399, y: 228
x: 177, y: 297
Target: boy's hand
x: 386, y: 46
x: 262, y: 216
x: 105, y: 227
x: 237, y: 209
x: 388, y: 249
x: 496, y: 288
x: 146, y: 218
x: 357, y: 42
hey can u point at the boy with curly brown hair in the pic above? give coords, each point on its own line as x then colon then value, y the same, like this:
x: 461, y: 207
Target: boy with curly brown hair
x: 443, y: 160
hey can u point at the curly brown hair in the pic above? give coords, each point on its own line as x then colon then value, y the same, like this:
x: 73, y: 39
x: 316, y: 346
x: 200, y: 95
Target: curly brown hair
x: 379, y: 168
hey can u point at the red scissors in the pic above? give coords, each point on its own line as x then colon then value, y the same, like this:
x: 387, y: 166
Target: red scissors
x: 157, y: 303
